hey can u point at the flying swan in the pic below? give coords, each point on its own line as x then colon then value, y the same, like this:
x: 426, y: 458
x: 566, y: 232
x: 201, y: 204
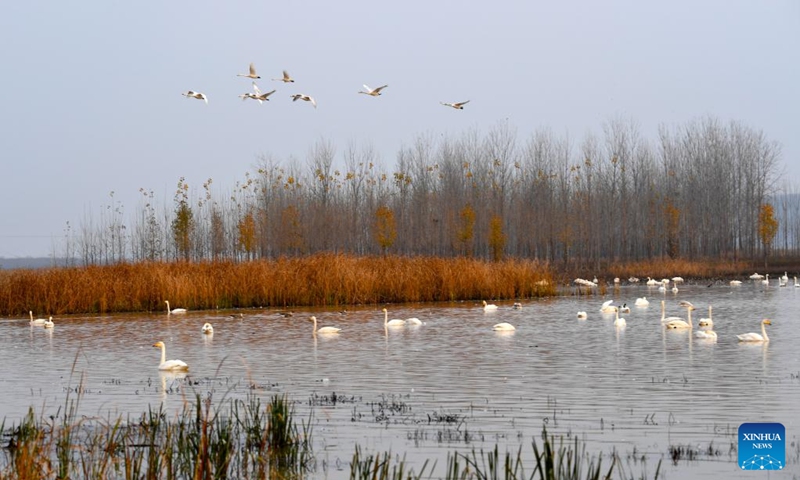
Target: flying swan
x: 170, y: 365
x: 197, y: 95
x: 305, y: 98
x: 373, y: 92
x: 250, y: 74
x: 457, y: 106
x: 286, y: 78
x: 754, y: 337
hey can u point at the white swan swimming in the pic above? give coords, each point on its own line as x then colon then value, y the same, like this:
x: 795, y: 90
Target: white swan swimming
x: 49, y: 323
x: 754, y: 337
x: 642, y: 302
x: 735, y: 283
x: 251, y: 74
x: 413, y: 321
x: 582, y: 315
x: 662, y: 287
x: 625, y: 308
x: 503, y: 327
x: 675, y: 288
x: 665, y: 318
x: 706, y: 334
x: 323, y: 330
x: 766, y: 280
x: 208, y: 329
x: 38, y: 321
x: 457, y: 106
x: 607, y: 307
x: 174, y: 310
x: 197, y: 95
x: 172, y: 365
x: 680, y: 323
x: 706, y: 322
x: 373, y: 92
x: 397, y: 322
x: 677, y: 279
x: 756, y: 276
x: 517, y: 306
x: 619, y: 322
x: 651, y: 282
x: 489, y: 307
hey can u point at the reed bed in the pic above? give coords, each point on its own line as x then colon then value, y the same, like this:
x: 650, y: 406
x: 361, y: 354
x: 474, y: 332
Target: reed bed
x: 246, y: 440
x: 317, y: 280
x: 250, y: 440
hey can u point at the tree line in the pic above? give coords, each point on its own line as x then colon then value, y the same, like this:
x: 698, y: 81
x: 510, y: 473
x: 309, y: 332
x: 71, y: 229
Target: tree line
x: 703, y: 189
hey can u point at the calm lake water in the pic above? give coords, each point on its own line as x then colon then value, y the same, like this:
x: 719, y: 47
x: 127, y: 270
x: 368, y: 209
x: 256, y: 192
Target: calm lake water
x: 452, y: 383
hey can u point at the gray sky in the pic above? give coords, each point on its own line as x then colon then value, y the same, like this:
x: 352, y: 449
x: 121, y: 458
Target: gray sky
x: 91, y: 96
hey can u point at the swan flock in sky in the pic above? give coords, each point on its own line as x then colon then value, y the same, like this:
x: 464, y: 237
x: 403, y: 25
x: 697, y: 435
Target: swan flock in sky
x: 286, y: 78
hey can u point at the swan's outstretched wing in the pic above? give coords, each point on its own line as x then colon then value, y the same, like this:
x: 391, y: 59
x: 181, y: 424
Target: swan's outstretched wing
x: 265, y: 95
x: 607, y: 304
x: 366, y: 87
x: 377, y: 90
x: 252, y: 69
x: 461, y: 104
x: 256, y: 89
x: 286, y: 76
x: 313, y: 102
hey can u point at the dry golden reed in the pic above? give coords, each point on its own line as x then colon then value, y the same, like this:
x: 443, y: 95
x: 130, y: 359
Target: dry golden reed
x: 317, y: 280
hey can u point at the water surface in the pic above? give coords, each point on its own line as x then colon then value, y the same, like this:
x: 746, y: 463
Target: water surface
x: 452, y: 383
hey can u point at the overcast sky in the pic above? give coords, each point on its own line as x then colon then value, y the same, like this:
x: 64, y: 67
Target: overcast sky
x: 91, y: 91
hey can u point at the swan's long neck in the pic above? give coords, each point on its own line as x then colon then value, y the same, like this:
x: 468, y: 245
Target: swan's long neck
x: 385, y: 318
x: 30, y: 312
x: 315, y: 323
x: 764, y: 332
x: 163, y: 354
x: 168, y: 310
x: 690, y: 317
x: 709, y: 312
x: 663, y: 311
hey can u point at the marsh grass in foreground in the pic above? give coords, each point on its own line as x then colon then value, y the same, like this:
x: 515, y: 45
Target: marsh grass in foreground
x: 247, y: 439
x: 244, y: 440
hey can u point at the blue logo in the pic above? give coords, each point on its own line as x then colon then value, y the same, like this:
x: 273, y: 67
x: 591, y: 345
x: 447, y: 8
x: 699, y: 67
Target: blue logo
x: 762, y: 446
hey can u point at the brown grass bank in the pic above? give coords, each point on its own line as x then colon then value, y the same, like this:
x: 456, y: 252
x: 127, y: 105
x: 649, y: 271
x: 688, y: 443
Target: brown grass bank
x: 318, y: 280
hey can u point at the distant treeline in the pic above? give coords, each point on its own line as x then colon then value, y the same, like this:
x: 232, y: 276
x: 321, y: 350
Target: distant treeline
x: 705, y: 189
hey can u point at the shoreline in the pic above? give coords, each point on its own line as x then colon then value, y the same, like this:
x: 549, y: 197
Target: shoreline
x: 333, y: 280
